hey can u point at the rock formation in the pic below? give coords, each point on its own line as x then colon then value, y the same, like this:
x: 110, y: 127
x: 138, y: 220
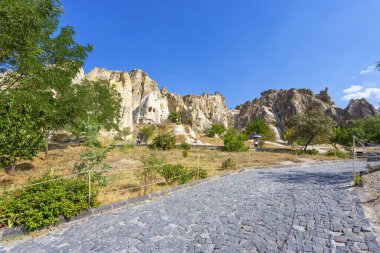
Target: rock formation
x: 143, y: 102
x: 277, y: 106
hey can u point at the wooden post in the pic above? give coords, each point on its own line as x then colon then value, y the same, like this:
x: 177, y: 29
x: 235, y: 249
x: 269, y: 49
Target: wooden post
x: 89, y: 186
x: 198, y: 166
x: 354, y: 154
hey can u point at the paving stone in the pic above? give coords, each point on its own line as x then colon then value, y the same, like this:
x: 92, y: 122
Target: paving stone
x: 270, y: 210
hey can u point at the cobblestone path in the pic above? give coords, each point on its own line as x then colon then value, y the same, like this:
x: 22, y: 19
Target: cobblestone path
x: 300, y: 209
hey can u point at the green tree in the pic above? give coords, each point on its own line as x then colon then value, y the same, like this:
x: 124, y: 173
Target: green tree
x: 215, y: 129
x: 343, y: 135
x: 371, y: 128
x: 234, y: 141
x: 38, y: 61
x: 260, y: 127
x: 310, y: 128
x: 174, y: 117
x: 20, y: 135
x: 146, y: 133
x: 164, y: 142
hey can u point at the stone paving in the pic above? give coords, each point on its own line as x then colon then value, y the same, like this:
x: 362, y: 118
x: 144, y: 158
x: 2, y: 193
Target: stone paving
x: 299, y: 209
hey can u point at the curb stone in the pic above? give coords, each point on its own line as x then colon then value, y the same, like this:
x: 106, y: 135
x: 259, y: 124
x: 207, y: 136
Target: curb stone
x: 11, y: 232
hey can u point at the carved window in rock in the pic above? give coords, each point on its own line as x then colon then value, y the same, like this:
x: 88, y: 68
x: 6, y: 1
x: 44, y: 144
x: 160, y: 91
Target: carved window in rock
x: 150, y: 109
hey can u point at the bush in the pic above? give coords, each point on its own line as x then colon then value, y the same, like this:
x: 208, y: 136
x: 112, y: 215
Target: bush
x: 150, y: 170
x: 40, y: 205
x: 337, y: 152
x: 358, y: 180
x: 164, y: 142
x: 122, y: 134
x: 185, y: 146
x: 312, y: 152
x: 215, y: 129
x: 234, y: 141
x: 146, y: 133
x: 202, y: 173
x: 229, y: 164
x: 174, y: 117
x: 185, y: 153
x: 175, y: 173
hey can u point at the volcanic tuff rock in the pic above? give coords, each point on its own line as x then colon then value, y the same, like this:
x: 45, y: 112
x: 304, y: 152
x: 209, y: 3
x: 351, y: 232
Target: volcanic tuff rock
x: 143, y: 102
x: 277, y: 106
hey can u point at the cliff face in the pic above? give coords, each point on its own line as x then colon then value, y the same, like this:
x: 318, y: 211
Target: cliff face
x: 143, y: 102
x: 277, y: 106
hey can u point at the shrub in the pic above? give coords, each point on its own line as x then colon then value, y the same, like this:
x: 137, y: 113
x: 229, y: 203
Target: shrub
x: 215, y: 129
x: 150, y: 170
x: 337, y: 152
x: 234, y: 141
x: 146, y: 133
x: 312, y: 152
x: 174, y: 117
x: 164, y: 142
x: 122, y: 134
x: 185, y: 153
x: 229, y: 164
x: 40, y: 205
x: 175, y: 173
x: 202, y: 173
x: 358, y: 180
x: 185, y: 146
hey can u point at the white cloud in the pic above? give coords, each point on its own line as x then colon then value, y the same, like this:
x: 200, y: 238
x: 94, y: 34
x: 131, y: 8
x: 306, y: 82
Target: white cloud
x: 353, y: 89
x: 366, y: 93
x: 368, y: 70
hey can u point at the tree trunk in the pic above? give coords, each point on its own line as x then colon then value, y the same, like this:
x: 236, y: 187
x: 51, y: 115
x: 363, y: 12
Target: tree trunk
x: 13, y: 168
x: 311, y: 139
x: 46, y: 145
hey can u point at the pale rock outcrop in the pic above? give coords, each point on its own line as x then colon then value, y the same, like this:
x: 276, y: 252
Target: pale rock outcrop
x: 152, y: 109
x: 204, y: 110
x: 79, y: 76
x: 188, y: 133
x: 278, y: 106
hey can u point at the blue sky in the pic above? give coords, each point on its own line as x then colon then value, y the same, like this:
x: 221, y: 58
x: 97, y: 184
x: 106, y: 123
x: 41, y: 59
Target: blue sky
x: 239, y: 47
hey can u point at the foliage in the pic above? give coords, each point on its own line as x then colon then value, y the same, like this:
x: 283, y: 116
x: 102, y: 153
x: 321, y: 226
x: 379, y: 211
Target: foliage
x: 371, y: 128
x: 185, y: 153
x: 234, y: 141
x: 189, y: 121
x: 260, y: 127
x: 175, y: 172
x: 98, y: 102
x: 40, y: 205
x: 202, y: 173
x: 126, y: 147
x: 122, y: 134
x: 343, y: 135
x: 93, y: 160
x: 337, y: 152
x: 86, y: 132
x: 149, y: 172
x: 164, y: 142
x: 313, y: 152
x: 358, y: 180
x: 185, y: 146
x: 215, y: 129
x: 20, y: 136
x: 310, y: 128
x: 174, y: 117
x: 146, y: 133
x: 229, y: 164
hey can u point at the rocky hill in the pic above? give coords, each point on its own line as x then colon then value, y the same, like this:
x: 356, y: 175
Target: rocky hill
x: 144, y: 102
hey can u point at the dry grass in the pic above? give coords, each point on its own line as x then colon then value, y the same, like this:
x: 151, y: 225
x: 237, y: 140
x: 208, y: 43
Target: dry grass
x: 126, y: 161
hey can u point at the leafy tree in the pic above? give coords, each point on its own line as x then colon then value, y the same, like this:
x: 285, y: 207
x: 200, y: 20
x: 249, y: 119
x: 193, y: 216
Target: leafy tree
x: 38, y: 61
x: 146, y: 133
x: 215, y: 129
x: 343, y: 135
x: 164, y: 142
x: 174, y: 117
x: 371, y: 128
x: 20, y: 136
x: 150, y: 170
x: 234, y: 141
x: 260, y: 127
x: 310, y: 128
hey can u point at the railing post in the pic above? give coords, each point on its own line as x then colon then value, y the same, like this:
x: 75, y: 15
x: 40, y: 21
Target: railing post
x: 198, y: 167
x: 89, y: 186
x: 354, y: 155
